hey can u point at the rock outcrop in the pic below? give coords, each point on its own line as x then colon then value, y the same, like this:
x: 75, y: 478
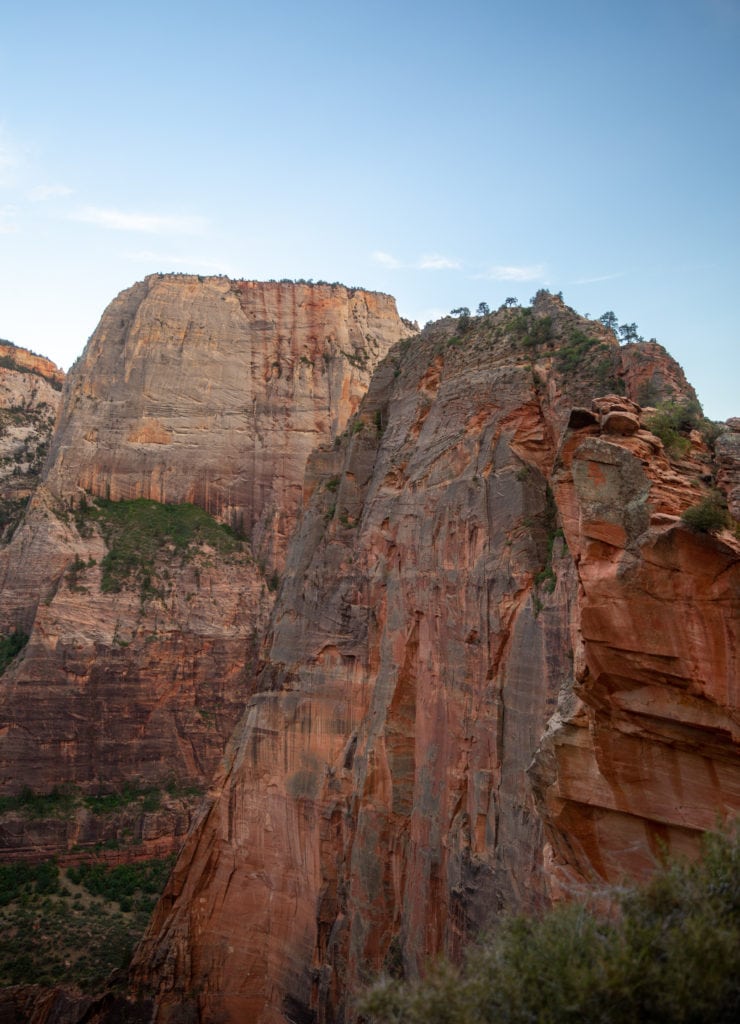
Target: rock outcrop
x: 499, y: 667
x: 142, y: 630
x: 29, y: 401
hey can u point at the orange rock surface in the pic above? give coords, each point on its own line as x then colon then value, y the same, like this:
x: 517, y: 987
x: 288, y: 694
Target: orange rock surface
x: 191, y: 390
x: 499, y: 667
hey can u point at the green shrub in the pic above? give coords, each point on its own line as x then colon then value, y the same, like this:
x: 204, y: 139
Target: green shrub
x: 20, y: 879
x: 60, y: 802
x: 137, y: 531
x: 123, y: 883
x: 672, y: 954
x: 149, y: 797
x: 572, y: 353
x: 709, y: 516
x: 10, y: 647
x: 672, y: 422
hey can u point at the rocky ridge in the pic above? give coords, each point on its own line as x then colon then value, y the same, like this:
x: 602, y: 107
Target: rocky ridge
x: 500, y: 668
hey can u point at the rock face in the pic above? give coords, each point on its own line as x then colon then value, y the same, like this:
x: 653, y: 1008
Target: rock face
x: 499, y: 666
x: 139, y: 658
x: 29, y: 402
x: 215, y: 392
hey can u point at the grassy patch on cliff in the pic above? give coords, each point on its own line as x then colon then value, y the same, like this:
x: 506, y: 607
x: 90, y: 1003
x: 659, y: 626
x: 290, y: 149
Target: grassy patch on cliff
x: 74, y: 926
x: 672, y: 953
x: 63, y: 801
x: 136, y: 532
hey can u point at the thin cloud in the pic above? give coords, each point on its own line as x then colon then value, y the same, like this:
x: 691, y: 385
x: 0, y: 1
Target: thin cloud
x: 499, y: 273
x: 148, y: 223
x: 433, y: 261
x: 437, y: 262
x: 41, y: 193
x: 386, y: 260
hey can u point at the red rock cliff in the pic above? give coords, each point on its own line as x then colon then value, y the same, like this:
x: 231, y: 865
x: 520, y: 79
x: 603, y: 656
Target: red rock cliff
x: 191, y: 390
x: 498, y: 665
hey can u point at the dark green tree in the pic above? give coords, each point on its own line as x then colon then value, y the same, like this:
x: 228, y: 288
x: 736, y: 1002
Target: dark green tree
x: 609, y: 319
x: 628, y: 332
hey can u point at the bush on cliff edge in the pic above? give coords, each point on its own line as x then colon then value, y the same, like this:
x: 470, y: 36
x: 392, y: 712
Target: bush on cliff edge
x: 672, y: 954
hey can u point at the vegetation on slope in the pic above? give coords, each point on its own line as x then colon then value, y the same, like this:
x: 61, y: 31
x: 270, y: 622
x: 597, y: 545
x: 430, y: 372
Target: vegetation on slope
x: 138, y: 531
x: 671, y: 953
x: 74, y: 926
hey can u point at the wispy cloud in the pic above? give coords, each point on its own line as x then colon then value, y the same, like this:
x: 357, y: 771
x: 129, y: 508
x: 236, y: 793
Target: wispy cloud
x: 511, y: 273
x: 437, y: 262
x: 148, y: 223
x: 431, y: 261
x: 41, y: 193
x: 595, y: 280
x: 386, y: 260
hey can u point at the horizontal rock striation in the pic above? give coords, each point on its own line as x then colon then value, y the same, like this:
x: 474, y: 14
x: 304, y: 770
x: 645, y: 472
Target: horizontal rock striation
x: 141, y: 654
x: 29, y: 401
x: 499, y: 666
x: 215, y: 392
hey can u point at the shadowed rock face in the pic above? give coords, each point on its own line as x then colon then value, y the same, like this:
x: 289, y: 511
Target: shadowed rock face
x: 191, y: 390
x: 498, y: 666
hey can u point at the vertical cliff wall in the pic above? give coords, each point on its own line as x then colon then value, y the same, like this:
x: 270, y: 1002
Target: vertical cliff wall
x: 494, y: 662
x: 215, y: 392
x: 144, y: 623
x: 30, y: 389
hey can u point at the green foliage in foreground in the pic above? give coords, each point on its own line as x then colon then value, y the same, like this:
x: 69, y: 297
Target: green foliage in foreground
x: 137, y: 531
x: 672, y: 954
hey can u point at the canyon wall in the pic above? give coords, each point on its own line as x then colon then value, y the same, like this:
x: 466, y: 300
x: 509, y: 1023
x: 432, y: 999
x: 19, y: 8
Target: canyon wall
x: 143, y: 622
x: 499, y: 668
x: 215, y: 392
x: 30, y: 387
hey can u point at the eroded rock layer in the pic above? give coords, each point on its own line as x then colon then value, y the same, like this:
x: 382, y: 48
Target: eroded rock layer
x: 139, y: 654
x: 499, y: 666
x: 214, y: 391
x: 30, y: 389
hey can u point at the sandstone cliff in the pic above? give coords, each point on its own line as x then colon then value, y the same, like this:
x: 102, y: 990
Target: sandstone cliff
x: 29, y: 402
x: 499, y: 667
x: 144, y: 621
x: 215, y: 392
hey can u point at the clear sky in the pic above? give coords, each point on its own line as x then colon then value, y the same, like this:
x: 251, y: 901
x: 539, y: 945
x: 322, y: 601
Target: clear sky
x: 445, y: 152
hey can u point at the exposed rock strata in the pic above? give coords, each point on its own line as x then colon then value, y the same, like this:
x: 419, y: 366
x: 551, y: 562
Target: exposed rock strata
x: 215, y: 392
x: 498, y: 666
x: 191, y: 390
x: 29, y: 401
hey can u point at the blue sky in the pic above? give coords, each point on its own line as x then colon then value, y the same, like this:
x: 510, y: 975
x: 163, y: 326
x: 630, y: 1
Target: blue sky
x: 445, y: 153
